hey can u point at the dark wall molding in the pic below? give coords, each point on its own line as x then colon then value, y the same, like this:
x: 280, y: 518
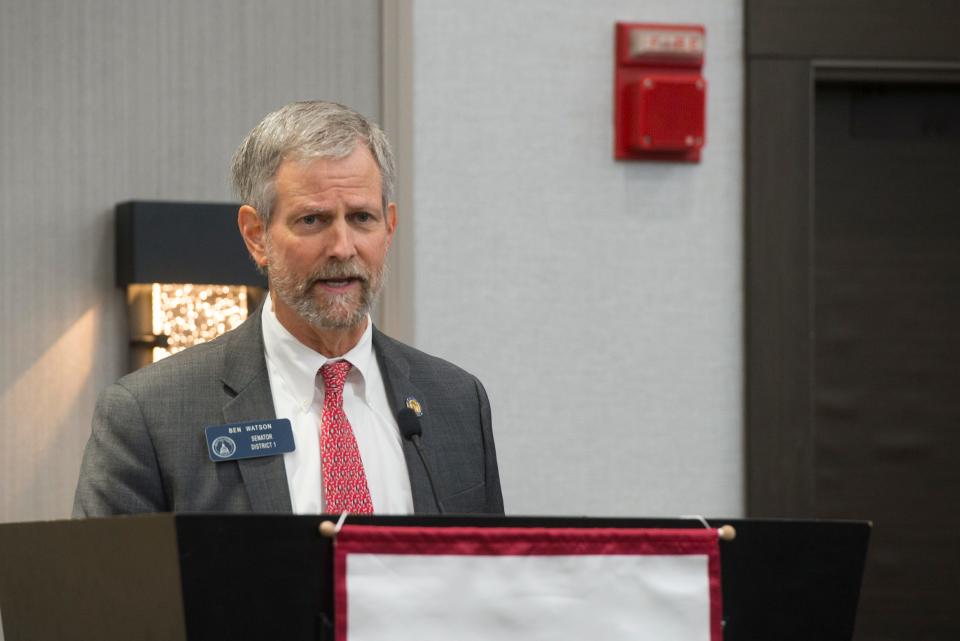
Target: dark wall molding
x: 852, y: 29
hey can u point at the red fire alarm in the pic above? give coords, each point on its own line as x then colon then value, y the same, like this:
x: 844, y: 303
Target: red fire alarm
x: 660, y: 94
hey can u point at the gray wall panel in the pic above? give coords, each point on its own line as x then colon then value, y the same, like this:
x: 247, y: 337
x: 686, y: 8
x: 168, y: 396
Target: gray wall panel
x: 599, y: 301
x: 103, y: 101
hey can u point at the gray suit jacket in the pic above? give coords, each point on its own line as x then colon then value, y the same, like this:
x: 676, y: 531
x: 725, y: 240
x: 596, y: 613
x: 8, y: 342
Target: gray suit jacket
x: 148, y: 451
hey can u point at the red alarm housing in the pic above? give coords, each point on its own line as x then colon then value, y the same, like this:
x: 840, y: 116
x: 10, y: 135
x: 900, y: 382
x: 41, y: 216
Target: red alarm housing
x: 660, y: 94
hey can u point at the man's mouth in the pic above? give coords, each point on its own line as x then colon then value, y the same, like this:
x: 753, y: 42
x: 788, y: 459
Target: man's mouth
x: 337, y: 283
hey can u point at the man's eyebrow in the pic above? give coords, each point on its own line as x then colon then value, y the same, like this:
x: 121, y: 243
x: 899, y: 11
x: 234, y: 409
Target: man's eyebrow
x: 370, y: 207
x: 306, y: 208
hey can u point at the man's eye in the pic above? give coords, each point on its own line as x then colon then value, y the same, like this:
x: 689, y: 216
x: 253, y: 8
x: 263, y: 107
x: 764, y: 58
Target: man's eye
x: 309, y: 219
x: 363, y: 217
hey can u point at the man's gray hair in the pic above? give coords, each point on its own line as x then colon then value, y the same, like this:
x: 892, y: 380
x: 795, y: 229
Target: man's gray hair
x: 305, y: 131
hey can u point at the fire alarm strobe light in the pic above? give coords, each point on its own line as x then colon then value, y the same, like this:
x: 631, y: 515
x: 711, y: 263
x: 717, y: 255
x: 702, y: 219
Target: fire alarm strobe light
x: 659, y: 92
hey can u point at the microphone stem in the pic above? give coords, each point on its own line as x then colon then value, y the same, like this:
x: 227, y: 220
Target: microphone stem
x: 423, y: 459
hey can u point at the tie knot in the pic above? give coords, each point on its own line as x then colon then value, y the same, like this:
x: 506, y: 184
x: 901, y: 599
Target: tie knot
x: 334, y: 374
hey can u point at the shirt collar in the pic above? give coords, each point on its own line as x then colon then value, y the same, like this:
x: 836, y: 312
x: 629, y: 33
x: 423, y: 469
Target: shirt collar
x: 298, y: 365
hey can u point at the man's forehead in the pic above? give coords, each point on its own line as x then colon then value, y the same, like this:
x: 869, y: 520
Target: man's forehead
x: 359, y: 169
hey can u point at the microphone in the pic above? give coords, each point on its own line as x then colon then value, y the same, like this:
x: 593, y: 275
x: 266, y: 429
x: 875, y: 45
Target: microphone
x: 410, y: 430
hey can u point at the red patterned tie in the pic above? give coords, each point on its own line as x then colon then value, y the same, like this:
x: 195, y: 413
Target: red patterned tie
x: 344, y: 482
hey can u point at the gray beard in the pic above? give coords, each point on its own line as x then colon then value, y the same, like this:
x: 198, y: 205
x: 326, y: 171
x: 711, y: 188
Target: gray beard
x: 340, y: 311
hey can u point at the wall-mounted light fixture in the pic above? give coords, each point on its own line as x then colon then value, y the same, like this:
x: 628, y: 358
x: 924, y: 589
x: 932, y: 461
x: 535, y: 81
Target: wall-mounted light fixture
x: 186, y: 272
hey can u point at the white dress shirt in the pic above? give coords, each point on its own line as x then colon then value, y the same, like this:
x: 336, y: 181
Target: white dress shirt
x: 298, y: 392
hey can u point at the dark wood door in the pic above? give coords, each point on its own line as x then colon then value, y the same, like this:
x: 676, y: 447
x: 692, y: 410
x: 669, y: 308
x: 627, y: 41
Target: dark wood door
x: 886, y: 335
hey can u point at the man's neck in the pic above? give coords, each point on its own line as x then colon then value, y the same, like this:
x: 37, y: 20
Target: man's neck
x: 329, y: 342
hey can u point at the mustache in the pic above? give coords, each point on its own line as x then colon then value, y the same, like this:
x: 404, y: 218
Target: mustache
x: 337, y: 271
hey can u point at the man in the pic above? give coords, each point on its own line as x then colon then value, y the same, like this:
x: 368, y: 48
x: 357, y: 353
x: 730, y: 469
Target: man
x: 316, y: 180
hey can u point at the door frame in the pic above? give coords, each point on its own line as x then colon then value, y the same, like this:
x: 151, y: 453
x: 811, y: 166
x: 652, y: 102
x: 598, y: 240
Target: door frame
x: 790, y: 47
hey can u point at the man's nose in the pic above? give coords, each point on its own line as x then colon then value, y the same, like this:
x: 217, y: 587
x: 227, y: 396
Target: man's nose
x: 342, y: 244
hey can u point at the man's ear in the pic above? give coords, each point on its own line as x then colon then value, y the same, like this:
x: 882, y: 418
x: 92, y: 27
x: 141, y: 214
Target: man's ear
x: 254, y: 234
x: 391, y: 222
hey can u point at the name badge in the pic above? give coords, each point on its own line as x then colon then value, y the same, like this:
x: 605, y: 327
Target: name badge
x: 249, y: 440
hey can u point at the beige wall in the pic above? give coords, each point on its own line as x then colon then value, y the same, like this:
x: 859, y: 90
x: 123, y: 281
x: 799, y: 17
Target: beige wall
x: 108, y: 100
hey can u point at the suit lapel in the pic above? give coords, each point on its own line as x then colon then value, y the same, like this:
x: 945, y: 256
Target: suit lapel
x: 245, y: 377
x: 396, y: 377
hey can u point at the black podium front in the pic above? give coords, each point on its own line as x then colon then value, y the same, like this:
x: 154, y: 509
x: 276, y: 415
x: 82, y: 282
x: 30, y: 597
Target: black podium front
x: 250, y: 577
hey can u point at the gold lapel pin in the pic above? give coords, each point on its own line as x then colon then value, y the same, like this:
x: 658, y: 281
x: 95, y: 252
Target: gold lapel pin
x: 414, y: 404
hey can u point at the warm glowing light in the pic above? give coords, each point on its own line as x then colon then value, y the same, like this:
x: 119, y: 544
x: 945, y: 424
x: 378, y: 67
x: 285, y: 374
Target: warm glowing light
x: 189, y: 314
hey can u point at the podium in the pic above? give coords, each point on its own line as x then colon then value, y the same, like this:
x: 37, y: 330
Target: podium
x: 239, y: 577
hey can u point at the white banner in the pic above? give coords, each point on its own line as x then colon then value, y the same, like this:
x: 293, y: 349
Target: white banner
x: 466, y: 584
